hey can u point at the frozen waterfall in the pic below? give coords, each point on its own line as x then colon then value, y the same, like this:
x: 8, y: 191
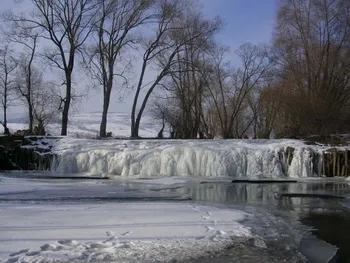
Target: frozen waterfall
x: 205, y: 158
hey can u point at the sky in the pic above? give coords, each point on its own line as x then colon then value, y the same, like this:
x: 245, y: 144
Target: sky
x: 245, y: 21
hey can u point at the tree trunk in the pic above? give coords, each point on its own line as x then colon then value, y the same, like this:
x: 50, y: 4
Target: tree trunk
x: 106, y: 101
x: 135, y: 124
x: 4, y: 123
x: 31, y: 117
x: 227, y: 135
x: 135, y: 128
x: 5, y: 111
x: 66, y: 105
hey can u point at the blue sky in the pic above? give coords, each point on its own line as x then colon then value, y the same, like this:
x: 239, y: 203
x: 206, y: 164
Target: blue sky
x: 245, y: 21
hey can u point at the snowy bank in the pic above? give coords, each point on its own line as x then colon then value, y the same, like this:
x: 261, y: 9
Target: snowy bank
x: 127, y: 232
x: 193, y: 158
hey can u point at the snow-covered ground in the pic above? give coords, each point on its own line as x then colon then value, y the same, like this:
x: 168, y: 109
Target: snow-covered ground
x: 121, y: 232
x: 87, y: 125
x: 54, y: 230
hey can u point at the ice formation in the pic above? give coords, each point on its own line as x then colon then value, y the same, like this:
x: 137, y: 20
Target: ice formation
x: 215, y: 158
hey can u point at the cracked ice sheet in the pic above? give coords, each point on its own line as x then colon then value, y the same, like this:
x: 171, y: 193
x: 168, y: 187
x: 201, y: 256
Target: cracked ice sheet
x: 122, y: 232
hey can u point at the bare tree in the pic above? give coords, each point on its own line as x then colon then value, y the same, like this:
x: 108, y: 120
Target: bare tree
x: 218, y: 81
x: 67, y: 24
x: 159, y: 43
x: 8, y: 66
x: 113, y: 30
x: 230, y: 88
x: 312, y: 46
x: 264, y: 104
x: 159, y: 112
x: 39, y: 95
x: 45, y: 104
x: 28, y: 77
x: 187, y: 86
x: 178, y: 27
x: 269, y: 106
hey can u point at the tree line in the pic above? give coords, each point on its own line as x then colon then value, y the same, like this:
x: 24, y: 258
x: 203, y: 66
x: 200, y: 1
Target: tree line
x: 297, y: 85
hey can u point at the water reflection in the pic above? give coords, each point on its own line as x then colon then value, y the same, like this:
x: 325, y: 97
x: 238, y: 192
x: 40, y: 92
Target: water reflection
x: 260, y: 193
x: 328, y: 217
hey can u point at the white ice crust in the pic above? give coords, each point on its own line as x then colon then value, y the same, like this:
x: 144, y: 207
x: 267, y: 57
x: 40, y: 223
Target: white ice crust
x: 115, y: 232
x: 192, y: 158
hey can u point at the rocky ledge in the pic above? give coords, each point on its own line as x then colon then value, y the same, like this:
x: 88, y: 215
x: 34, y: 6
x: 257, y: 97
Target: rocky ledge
x: 26, y: 152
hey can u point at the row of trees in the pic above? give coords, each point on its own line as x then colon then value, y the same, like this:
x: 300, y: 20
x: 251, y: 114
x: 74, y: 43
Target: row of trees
x: 296, y: 86
x: 22, y: 82
x: 99, y: 34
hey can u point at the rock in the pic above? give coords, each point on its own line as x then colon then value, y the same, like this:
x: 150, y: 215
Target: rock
x: 5, y: 160
x: 22, y: 133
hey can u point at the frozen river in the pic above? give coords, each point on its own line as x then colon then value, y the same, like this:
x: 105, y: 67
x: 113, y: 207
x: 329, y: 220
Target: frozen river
x: 170, y: 220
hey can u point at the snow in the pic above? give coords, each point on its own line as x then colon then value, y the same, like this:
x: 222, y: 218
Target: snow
x: 178, y: 158
x: 87, y: 125
x: 126, y: 232
x: 38, y: 225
